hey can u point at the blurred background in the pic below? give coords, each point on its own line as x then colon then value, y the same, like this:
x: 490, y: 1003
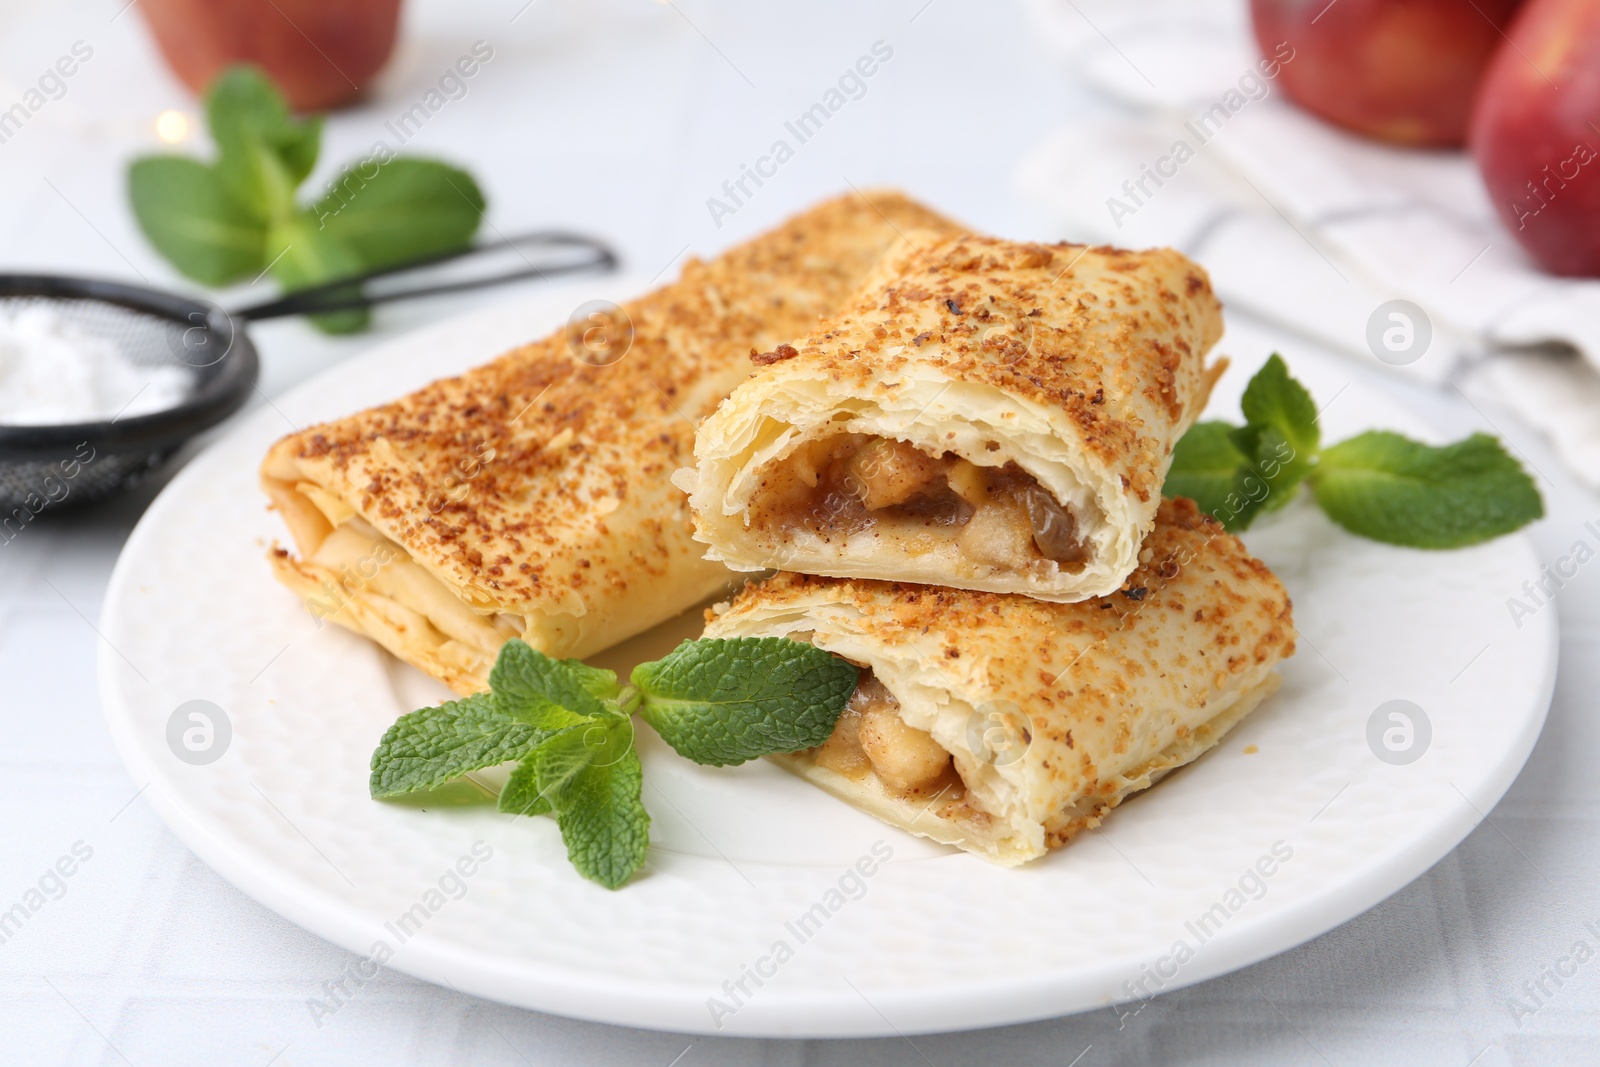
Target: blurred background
x: 1314, y: 161
x: 617, y: 119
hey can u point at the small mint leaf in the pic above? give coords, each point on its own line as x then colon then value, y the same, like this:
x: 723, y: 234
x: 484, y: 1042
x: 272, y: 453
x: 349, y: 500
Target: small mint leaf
x: 724, y: 701
x: 588, y: 775
x: 400, y: 209
x: 188, y: 216
x: 1393, y: 489
x: 542, y: 772
x: 1279, y: 464
x: 1211, y: 465
x: 1274, y: 398
x: 1285, y: 438
x: 524, y: 675
x: 427, y: 748
x: 600, y: 808
x: 263, y: 153
x: 521, y: 794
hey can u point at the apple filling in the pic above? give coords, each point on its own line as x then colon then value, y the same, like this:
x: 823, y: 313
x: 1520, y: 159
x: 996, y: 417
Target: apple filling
x: 870, y: 737
x: 850, y: 483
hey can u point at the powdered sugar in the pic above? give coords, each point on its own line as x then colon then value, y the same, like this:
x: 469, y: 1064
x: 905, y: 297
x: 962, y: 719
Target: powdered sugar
x: 53, y: 371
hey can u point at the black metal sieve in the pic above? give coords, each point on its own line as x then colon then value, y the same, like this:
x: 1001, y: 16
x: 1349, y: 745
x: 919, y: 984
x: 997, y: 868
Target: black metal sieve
x: 48, y: 466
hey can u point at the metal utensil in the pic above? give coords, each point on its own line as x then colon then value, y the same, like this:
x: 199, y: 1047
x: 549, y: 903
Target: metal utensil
x: 47, y: 466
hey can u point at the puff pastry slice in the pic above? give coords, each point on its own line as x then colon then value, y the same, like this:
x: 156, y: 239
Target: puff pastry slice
x: 1006, y: 725
x: 987, y: 415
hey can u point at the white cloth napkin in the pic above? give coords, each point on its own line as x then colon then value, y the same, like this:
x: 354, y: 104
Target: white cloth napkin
x: 1307, y: 226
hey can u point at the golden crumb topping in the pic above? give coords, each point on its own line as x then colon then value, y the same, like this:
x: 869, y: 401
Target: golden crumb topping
x: 1114, y: 340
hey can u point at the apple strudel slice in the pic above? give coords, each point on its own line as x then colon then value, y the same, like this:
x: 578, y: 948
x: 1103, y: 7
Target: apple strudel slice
x: 988, y: 415
x: 1005, y: 725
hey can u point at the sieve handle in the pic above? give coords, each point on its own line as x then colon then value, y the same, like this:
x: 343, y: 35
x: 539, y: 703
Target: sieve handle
x: 545, y: 254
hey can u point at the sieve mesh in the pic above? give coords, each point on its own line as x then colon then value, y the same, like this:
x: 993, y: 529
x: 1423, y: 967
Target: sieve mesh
x: 28, y: 487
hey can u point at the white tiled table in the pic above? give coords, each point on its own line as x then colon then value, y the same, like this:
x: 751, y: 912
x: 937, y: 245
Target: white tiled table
x: 621, y: 117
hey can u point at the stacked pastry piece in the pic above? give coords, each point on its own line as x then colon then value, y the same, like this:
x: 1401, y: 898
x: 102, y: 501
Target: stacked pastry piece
x: 959, y: 479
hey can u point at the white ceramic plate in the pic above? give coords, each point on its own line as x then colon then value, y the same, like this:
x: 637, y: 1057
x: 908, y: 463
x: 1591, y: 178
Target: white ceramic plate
x: 1169, y: 893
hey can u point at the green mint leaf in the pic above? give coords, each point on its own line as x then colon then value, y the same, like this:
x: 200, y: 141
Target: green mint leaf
x: 521, y: 794
x: 542, y: 772
x: 1212, y: 464
x: 403, y: 209
x: 725, y: 701
x: 1283, y: 435
x: 257, y: 180
x: 242, y: 99
x: 590, y: 777
x: 427, y: 748
x: 600, y: 809
x: 1275, y: 399
x: 1393, y: 489
x: 303, y: 255
x: 299, y: 150
x: 524, y: 675
x: 263, y: 153
x: 1275, y: 462
x: 188, y: 216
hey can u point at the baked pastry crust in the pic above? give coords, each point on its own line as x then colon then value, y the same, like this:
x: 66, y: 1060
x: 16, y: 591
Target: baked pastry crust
x: 531, y: 497
x: 1079, y: 366
x: 1052, y: 713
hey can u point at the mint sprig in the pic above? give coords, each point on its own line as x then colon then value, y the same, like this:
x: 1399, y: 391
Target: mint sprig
x: 1380, y: 485
x: 236, y: 217
x: 569, y: 726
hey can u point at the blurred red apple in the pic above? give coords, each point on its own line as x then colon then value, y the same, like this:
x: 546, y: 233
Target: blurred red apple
x: 320, y: 53
x: 1536, y: 134
x: 1403, y: 71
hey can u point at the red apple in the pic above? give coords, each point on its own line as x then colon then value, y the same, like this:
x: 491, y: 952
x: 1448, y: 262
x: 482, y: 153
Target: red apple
x: 1403, y: 71
x: 320, y: 53
x: 1536, y: 134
